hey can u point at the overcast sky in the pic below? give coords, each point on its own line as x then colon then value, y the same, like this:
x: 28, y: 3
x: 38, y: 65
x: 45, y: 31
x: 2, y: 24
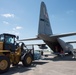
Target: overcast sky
x: 21, y: 17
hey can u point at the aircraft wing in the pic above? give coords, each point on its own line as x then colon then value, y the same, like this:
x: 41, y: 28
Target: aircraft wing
x: 71, y: 42
x: 29, y: 39
x: 62, y: 35
x: 35, y: 44
x: 52, y: 36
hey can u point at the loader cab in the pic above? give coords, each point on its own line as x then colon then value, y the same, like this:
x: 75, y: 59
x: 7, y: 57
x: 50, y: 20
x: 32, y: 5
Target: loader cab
x: 8, y: 41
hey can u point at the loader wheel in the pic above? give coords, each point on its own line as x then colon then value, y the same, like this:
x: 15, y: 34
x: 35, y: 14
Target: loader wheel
x: 27, y: 60
x: 70, y: 53
x: 4, y: 64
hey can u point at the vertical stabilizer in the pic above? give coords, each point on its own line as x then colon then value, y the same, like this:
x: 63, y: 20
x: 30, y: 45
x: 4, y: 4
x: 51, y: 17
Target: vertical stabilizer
x: 44, y: 24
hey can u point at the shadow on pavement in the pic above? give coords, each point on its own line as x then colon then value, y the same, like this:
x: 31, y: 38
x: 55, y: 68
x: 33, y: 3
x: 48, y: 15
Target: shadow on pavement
x: 17, y: 69
x: 58, y: 58
x: 39, y: 62
x: 20, y: 68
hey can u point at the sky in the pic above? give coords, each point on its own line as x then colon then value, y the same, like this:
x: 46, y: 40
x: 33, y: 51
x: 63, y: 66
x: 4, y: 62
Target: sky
x: 21, y: 17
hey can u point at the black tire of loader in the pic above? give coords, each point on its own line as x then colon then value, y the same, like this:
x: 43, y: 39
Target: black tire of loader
x: 70, y: 53
x: 8, y: 65
x: 24, y: 61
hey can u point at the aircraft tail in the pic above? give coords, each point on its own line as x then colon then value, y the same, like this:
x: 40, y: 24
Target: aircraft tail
x: 44, y: 23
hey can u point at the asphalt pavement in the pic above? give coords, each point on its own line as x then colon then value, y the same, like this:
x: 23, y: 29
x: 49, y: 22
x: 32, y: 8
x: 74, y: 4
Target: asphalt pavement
x: 50, y: 65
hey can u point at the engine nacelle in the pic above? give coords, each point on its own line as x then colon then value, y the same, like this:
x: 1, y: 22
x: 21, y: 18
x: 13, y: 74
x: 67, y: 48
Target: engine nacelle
x: 42, y: 46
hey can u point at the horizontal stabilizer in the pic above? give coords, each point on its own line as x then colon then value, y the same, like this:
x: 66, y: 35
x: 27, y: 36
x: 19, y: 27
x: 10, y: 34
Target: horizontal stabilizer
x: 63, y: 35
x: 71, y: 42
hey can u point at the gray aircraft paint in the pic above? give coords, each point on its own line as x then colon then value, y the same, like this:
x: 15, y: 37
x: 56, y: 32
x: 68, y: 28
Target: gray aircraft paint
x: 45, y: 33
x: 44, y: 23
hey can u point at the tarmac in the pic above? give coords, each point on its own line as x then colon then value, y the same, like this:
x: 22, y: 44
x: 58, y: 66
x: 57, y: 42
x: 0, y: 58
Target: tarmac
x: 51, y: 65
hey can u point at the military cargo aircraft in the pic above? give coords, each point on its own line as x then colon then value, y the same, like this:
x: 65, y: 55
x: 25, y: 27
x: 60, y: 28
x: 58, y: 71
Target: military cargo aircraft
x: 45, y: 33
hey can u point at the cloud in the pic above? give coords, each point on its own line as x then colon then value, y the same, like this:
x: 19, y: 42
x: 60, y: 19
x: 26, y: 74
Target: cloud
x: 5, y: 22
x: 8, y: 15
x: 15, y: 31
x: 17, y: 28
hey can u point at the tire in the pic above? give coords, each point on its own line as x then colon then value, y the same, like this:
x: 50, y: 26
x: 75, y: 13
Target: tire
x: 27, y: 60
x: 4, y: 64
x: 70, y: 53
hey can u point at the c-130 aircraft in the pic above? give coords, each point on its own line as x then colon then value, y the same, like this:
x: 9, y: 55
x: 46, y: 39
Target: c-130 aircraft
x: 45, y: 33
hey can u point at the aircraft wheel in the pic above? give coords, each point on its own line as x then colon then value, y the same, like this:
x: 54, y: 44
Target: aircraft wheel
x: 4, y: 64
x: 27, y: 60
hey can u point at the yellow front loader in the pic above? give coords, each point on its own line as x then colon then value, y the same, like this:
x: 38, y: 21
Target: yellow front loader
x: 12, y: 52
